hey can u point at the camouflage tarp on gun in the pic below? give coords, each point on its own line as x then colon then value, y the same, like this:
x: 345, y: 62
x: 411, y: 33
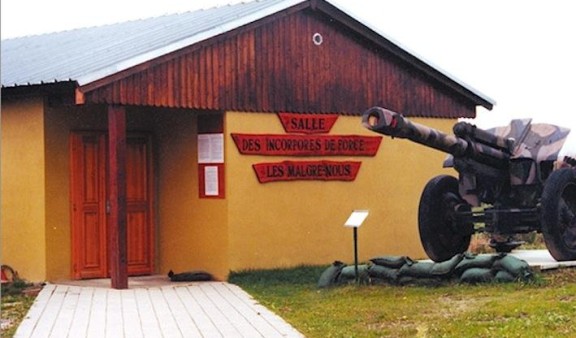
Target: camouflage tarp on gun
x: 508, y: 184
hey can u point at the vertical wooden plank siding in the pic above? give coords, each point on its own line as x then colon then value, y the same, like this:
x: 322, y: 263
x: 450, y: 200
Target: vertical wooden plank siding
x: 277, y: 67
x: 117, y: 217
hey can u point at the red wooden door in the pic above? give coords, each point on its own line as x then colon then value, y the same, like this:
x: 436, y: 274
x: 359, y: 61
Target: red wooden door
x: 140, y: 253
x: 89, y: 199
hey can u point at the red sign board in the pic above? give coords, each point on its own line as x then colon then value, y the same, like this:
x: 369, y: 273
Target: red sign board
x: 307, y: 145
x: 307, y: 123
x: 307, y: 170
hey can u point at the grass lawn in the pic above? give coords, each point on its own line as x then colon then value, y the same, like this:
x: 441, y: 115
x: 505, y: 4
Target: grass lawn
x: 543, y: 308
x: 15, y: 305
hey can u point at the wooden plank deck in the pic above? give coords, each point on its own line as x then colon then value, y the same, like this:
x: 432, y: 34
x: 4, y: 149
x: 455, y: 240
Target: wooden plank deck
x: 206, y: 309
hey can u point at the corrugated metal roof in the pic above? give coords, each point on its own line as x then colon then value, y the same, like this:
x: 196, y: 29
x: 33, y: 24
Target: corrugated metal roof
x: 89, y: 54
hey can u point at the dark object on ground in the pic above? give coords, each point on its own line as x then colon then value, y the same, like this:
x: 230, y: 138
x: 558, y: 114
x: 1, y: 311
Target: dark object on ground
x: 511, y: 182
x: 8, y: 274
x: 190, y: 276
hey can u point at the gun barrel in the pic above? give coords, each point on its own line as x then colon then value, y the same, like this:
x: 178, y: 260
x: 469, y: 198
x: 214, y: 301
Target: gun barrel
x: 389, y: 123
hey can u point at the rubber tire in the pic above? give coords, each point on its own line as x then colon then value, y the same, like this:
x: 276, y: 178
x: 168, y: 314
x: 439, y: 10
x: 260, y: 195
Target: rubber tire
x: 437, y: 234
x: 559, y: 224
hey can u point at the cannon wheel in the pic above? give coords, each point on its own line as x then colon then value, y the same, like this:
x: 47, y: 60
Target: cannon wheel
x: 558, y: 215
x: 438, y: 230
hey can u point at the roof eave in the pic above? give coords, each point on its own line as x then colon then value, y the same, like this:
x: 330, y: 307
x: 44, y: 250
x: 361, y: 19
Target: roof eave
x: 102, y: 76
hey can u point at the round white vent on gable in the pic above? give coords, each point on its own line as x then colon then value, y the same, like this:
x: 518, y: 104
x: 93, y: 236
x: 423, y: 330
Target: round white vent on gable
x: 317, y: 39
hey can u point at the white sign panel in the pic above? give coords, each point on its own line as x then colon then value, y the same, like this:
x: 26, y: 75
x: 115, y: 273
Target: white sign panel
x: 211, y: 181
x: 211, y: 148
x: 356, y: 218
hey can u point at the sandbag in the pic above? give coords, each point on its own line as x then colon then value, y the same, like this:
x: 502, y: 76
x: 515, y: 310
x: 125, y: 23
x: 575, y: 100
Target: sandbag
x: 405, y: 280
x: 421, y: 281
x: 477, y: 275
x: 383, y: 273
x: 330, y: 275
x: 446, y: 268
x: 349, y: 272
x: 504, y: 277
x: 395, y: 262
x: 418, y: 269
x: 513, y: 265
x: 474, y: 261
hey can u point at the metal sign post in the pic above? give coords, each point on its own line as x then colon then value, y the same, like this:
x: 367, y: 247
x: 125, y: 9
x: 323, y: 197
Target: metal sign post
x: 355, y: 221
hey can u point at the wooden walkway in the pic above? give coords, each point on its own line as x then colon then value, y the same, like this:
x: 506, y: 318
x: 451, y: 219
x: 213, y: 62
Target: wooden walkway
x: 206, y: 309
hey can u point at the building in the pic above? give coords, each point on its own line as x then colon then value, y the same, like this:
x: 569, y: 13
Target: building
x: 240, y: 132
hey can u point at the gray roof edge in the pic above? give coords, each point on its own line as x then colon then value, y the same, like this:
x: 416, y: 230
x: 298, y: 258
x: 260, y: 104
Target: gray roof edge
x: 223, y: 28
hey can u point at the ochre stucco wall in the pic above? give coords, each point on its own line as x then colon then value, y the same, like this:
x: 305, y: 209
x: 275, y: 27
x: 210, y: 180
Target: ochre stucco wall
x: 23, y: 187
x: 256, y: 226
x: 192, y: 232
x: 57, y: 225
x: 282, y: 224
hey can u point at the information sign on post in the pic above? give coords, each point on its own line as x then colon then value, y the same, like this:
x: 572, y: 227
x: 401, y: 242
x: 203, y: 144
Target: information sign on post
x: 355, y: 220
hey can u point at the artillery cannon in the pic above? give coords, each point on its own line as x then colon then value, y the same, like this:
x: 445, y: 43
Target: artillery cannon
x: 510, y: 182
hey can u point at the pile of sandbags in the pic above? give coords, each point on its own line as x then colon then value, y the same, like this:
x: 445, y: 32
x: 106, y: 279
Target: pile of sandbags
x: 402, y: 270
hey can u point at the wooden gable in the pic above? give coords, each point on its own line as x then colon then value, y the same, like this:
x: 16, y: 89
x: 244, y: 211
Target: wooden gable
x: 275, y: 65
